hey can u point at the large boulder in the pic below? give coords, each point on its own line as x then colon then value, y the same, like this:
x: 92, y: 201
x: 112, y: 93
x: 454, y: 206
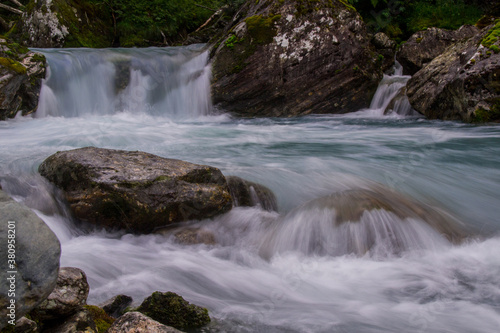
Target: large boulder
x: 21, y: 74
x: 66, y: 23
x: 288, y: 58
x: 423, y: 46
x: 173, y: 310
x: 35, y: 258
x: 136, y: 191
x: 67, y: 298
x: 463, y: 83
x: 135, y: 322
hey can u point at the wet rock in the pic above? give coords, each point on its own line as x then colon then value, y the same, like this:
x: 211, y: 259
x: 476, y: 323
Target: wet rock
x: 423, y: 46
x: 25, y: 325
x: 172, y: 310
x: 136, y: 191
x: 463, y: 83
x: 288, y: 58
x: 132, y: 322
x: 193, y: 236
x: 115, y: 307
x: 21, y: 74
x: 68, y: 297
x: 249, y: 194
x: 36, y: 263
x: 80, y: 322
x: 65, y: 23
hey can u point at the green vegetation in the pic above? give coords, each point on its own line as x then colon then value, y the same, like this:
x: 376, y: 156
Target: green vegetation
x: 261, y: 29
x: 101, y: 319
x: 12, y: 65
x: 492, y: 37
x: 149, y: 22
x: 400, y: 19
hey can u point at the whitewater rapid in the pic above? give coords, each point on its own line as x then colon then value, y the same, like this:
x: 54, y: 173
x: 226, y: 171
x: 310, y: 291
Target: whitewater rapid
x: 439, y: 287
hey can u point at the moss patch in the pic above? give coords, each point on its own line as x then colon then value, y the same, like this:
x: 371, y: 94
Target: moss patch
x: 172, y: 310
x: 261, y: 29
x: 13, y: 65
x: 101, y: 319
x: 492, y: 37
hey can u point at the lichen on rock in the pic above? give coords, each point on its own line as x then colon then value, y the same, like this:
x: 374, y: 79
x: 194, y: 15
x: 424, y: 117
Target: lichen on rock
x: 288, y: 58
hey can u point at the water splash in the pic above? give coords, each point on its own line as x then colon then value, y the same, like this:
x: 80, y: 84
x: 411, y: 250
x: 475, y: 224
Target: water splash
x: 172, y: 82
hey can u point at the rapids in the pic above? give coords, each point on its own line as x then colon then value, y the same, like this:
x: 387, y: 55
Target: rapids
x: 158, y: 101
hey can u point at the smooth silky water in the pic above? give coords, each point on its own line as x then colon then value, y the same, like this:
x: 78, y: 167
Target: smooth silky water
x: 157, y: 100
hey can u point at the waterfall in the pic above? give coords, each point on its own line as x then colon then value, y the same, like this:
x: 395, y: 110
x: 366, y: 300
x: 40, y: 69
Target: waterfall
x: 171, y: 82
x: 390, y: 97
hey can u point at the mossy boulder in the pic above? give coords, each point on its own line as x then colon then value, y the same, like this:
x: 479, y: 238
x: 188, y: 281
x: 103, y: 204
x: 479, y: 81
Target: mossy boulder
x: 21, y: 73
x: 101, y: 319
x: 66, y: 23
x: 288, y: 58
x: 463, y: 83
x: 172, y: 310
x: 136, y: 191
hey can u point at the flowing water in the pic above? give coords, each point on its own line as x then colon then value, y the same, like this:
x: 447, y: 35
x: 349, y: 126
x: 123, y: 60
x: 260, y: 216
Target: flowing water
x: 287, y: 271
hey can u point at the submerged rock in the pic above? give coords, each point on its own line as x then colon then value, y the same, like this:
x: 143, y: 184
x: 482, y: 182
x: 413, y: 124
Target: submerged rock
x: 248, y: 194
x: 375, y: 221
x: 21, y: 74
x: 173, y: 310
x: 136, y: 191
x: 36, y: 262
x: 463, y: 83
x: 192, y: 236
x: 132, y: 322
x: 67, y: 298
x: 423, y: 46
x: 288, y: 58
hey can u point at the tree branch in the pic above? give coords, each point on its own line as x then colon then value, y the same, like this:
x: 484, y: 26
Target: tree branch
x: 17, y: 3
x: 11, y: 9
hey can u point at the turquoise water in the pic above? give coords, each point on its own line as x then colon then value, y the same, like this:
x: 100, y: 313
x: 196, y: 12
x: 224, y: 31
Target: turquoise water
x: 451, y: 166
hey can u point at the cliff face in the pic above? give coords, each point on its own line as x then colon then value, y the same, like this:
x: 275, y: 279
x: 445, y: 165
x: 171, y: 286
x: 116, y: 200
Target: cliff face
x: 288, y: 58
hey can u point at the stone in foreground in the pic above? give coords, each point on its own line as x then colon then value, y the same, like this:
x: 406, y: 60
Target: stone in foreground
x: 136, y: 322
x: 67, y: 298
x: 37, y: 258
x: 136, y: 191
x: 172, y: 310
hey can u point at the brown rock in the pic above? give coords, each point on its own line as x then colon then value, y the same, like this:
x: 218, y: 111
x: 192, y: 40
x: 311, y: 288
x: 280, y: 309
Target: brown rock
x: 136, y: 322
x: 136, y: 191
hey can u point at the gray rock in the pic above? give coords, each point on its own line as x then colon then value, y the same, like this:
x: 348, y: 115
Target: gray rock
x: 288, y: 58
x: 136, y: 322
x: 193, y: 236
x: 68, y: 297
x: 65, y: 23
x: 423, y: 46
x: 21, y: 72
x: 37, y: 258
x: 115, y: 307
x: 460, y: 84
x: 136, y: 191
x: 172, y: 310
x: 250, y: 194
x: 25, y: 325
x: 80, y: 322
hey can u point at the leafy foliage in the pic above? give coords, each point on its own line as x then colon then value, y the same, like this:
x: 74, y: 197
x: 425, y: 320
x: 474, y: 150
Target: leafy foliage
x: 400, y: 19
x: 146, y: 22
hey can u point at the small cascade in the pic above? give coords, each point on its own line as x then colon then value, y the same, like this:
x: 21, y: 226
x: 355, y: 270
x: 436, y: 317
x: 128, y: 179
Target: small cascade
x: 390, y: 97
x: 172, y: 82
x: 374, y: 222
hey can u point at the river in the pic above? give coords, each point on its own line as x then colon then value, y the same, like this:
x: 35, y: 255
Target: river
x: 158, y: 100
